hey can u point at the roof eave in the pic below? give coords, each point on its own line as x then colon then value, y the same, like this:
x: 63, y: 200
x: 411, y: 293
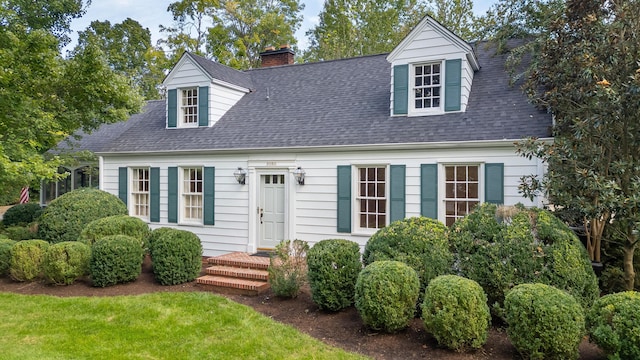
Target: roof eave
x: 335, y: 148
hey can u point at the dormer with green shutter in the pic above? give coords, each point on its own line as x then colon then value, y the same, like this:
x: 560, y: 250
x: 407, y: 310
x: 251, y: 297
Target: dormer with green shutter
x: 200, y: 91
x: 431, y: 72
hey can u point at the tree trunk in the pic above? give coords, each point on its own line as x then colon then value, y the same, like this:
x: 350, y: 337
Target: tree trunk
x: 629, y: 249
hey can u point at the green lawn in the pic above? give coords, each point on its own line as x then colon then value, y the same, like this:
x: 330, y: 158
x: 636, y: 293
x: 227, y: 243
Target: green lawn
x: 154, y: 326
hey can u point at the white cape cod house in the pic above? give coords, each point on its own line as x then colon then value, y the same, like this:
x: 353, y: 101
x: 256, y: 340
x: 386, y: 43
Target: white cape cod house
x: 335, y: 149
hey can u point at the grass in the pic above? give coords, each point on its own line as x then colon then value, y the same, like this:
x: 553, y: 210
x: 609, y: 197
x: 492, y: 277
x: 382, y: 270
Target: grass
x: 194, y: 325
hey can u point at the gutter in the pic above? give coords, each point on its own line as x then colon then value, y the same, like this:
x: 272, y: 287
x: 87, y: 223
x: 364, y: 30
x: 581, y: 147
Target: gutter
x: 475, y: 144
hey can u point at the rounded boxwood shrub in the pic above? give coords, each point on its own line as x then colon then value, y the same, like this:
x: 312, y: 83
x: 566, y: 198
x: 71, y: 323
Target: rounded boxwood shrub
x: 544, y: 322
x: 65, y: 262
x: 333, y: 268
x: 115, y: 259
x: 177, y: 257
x: 456, y: 313
x: 65, y: 217
x: 5, y: 255
x: 21, y: 214
x: 115, y: 225
x: 419, y: 242
x: 613, y: 323
x: 500, y: 248
x: 386, y: 295
x: 156, y: 234
x: 26, y: 259
x: 19, y: 233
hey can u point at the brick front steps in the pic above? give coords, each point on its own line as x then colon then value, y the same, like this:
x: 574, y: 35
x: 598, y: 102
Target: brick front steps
x: 238, y: 273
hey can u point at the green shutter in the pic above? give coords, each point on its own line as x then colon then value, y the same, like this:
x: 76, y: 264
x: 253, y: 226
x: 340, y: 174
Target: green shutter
x: 397, y: 192
x: 344, y: 198
x: 209, y: 195
x: 429, y: 190
x: 453, y: 80
x: 172, y: 108
x: 123, y: 193
x: 400, y: 89
x: 172, y: 195
x: 494, y: 183
x: 203, y: 106
x: 154, y: 191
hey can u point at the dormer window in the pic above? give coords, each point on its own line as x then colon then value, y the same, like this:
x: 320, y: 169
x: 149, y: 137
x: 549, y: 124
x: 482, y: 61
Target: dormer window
x: 426, y: 86
x: 189, y: 106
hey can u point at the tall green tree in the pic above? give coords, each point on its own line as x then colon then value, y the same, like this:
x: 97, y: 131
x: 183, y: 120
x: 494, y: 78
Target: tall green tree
x: 364, y: 27
x: 232, y: 32
x: 457, y: 16
x: 53, y: 15
x: 191, y: 19
x: 44, y: 97
x: 588, y: 74
x: 126, y: 46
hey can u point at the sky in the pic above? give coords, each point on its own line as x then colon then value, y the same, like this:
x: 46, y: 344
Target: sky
x: 152, y: 13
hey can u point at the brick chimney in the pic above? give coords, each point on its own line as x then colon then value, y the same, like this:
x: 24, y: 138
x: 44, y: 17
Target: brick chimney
x: 272, y: 57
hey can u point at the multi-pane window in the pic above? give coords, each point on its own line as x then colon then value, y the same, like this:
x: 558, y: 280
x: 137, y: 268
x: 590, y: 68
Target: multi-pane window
x: 140, y: 192
x: 189, y: 106
x: 372, y: 197
x: 192, y: 194
x: 461, y: 191
x: 426, y: 86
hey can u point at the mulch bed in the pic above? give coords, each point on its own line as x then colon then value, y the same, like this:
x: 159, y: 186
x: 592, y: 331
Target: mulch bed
x: 343, y: 329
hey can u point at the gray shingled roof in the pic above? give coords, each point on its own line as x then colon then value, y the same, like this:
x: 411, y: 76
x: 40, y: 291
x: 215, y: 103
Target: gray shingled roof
x: 222, y: 72
x: 336, y: 103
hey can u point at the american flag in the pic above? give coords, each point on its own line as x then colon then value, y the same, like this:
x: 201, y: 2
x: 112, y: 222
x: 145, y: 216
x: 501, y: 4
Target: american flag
x: 24, y: 195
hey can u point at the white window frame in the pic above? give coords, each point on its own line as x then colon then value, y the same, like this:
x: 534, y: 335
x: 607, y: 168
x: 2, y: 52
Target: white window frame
x: 357, y: 197
x: 188, y: 107
x: 140, y: 194
x: 190, y: 194
x: 443, y: 189
x: 412, y: 90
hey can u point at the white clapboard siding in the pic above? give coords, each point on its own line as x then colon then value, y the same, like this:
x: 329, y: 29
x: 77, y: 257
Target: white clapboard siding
x: 313, y: 206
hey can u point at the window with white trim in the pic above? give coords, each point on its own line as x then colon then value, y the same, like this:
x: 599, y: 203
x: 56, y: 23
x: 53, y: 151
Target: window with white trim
x: 371, y: 197
x: 192, y: 195
x: 462, y: 193
x: 140, y: 192
x: 189, y: 106
x: 426, y: 86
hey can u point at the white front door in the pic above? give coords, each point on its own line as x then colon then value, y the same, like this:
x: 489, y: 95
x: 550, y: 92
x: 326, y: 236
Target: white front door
x: 271, y: 210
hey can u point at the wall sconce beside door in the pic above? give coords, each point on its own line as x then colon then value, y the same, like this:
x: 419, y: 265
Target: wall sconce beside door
x: 299, y: 174
x: 240, y: 175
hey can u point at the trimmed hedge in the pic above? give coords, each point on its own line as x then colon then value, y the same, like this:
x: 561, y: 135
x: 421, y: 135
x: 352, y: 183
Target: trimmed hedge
x: 177, y: 257
x: 5, y: 255
x: 528, y: 246
x: 65, y: 217
x: 386, y: 295
x: 456, y: 313
x: 66, y: 262
x: 116, y: 225
x: 115, y: 259
x: 544, y: 322
x: 419, y: 242
x: 21, y: 214
x: 333, y: 268
x: 613, y: 323
x: 26, y: 259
